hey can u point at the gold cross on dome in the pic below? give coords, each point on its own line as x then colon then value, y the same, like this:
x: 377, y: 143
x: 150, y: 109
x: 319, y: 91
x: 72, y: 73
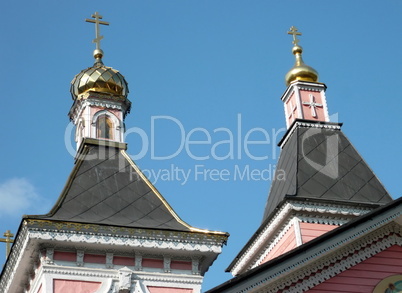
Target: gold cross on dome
x: 293, y: 31
x: 97, y: 22
x: 7, y: 240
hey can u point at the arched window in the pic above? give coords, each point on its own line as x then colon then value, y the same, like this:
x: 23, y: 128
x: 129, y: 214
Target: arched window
x: 104, y: 127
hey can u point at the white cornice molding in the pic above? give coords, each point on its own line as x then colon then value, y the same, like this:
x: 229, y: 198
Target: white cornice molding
x: 303, y: 85
x: 250, y: 257
x: 123, y: 233
x: 295, y: 220
x: 342, y: 259
x: 293, y: 270
x: 298, y: 124
x: 271, y: 245
x: 30, y: 236
x: 110, y: 278
x: 77, y: 109
x: 83, y: 272
x: 311, y: 87
x: 133, y: 241
x: 14, y: 259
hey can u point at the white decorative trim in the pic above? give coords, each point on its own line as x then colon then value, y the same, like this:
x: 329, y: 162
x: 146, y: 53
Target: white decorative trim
x: 248, y: 258
x: 80, y: 258
x: 286, y: 114
x: 324, y: 102
x: 36, y: 234
x: 109, y: 260
x: 138, y: 261
x: 167, y: 259
x: 323, y: 220
x: 98, y: 100
x: 298, y: 103
x: 326, y: 268
x: 125, y: 280
x: 312, y: 87
x: 303, y: 85
x: 298, y: 124
x: 14, y: 259
x: 143, y: 242
x: 195, y: 263
x: 121, y: 280
x: 272, y: 245
x: 296, y: 224
x: 362, y: 240
x: 49, y: 256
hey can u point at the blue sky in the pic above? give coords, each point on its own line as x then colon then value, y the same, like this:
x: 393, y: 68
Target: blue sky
x: 200, y: 64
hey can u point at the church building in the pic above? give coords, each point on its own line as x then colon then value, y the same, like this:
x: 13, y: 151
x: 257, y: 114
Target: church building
x: 329, y: 225
x: 110, y: 230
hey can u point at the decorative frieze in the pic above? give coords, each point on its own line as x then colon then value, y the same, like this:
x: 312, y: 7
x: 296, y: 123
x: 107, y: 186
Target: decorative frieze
x: 195, y: 264
x: 308, y: 270
x: 109, y: 260
x: 49, y: 256
x: 138, y: 261
x: 266, y: 239
x: 167, y: 259
x: 125, y: 280
x: 80, y: 258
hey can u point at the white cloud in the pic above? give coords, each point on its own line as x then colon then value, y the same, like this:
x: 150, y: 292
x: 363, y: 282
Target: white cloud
x: 18, y: 196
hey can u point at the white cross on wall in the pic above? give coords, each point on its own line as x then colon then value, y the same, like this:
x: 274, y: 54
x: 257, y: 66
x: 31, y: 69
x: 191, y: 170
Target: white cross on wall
x: 312, y: 104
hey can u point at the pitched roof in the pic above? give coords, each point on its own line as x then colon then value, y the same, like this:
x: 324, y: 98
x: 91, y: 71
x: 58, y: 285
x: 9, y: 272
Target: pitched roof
x: 261, y: 274
x: 107, y: 188
x: 319, y: 162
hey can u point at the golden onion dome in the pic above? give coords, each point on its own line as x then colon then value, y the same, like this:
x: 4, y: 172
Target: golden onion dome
x: 300, y: 71
x: 99, y: 78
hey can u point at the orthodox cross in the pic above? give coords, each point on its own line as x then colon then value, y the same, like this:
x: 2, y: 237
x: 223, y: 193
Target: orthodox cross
x: 292, y: 110
x: 7, y: 240
x: 97, y: 22
x: 312, y: 104
x: 293, y: 31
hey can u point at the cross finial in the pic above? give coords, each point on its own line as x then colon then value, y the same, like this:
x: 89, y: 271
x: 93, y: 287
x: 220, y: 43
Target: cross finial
x: 97, y: 22
x: 8, y: 240
x: 293, y: 31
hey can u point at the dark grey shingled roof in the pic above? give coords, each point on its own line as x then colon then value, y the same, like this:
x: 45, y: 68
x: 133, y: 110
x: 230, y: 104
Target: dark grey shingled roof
x: 321, y: 163
x: 107, y: 188
x: 318, y: 162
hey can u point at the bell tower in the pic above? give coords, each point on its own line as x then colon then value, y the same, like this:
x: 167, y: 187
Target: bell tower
x: 326, y: 183
x: 100, y: 97
x: 305, y: 96
x: 110, y: 230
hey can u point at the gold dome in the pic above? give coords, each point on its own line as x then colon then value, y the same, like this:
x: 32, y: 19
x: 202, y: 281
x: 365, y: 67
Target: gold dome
x: 99, y: 78
x: 300, y: 71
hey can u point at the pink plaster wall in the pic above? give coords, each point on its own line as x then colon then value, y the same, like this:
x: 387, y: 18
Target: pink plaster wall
x: 152, y: 263
x: 180, y: 265
x: 94, y: 258
x: 153, y: 289
x: 287, y: 243
x: 305, y: 97
x: 123, y: 261
x: 72, y: 286
x: 65, y: 256
x: 310, y: 231
x: 364, y: 276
